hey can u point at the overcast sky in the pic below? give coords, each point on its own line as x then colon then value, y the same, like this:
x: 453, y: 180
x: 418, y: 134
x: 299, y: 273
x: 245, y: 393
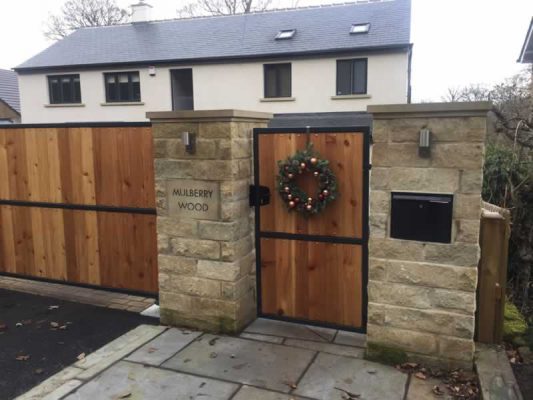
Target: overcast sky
x: 456, y: 42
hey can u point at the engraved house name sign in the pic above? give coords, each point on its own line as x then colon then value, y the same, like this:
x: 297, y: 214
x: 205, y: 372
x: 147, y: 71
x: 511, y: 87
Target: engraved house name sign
x: 193, y: 199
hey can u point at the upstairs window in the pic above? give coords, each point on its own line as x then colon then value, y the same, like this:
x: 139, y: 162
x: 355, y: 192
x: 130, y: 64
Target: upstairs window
x: 64, y: 89
x: 122, y: 87
x: 352, y: 76
x: 277, y: 80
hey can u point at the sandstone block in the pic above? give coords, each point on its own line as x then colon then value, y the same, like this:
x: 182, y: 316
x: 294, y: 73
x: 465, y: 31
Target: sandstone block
x: 224, y: 230
x: 214, y: 130
x: 235, y: 190
x: 457, y: 349
x: 467, y: 230
x: 467, y: 206
x: 196, y: 286
x: 203, y: 249
x: 232, y: 251
x: 231, y: 210
x: 396, y: 249
x: 174, y: 301
x: 379, y: 178
x: 458, y: 155
x: 175, y: 265
x: 163, y: 243
x: 223, y: 271
x: 444, y: 180
x: 398, y: 155
x: 459, y: 254
x: 379, y: 202
x: 172, y: 129
x: 405, y: 339
x: 217, y: 170
x: 169, y: 169
x: 423, y: 274
x: 177, y: 227
x: 205, y: 149
x: 430, y: 321
x: 236, y: 290
x: 379, y: 224
x: 471, y: 181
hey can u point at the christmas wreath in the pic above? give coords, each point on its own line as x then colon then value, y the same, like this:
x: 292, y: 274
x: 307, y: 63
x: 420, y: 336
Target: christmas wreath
x: 296, y: 199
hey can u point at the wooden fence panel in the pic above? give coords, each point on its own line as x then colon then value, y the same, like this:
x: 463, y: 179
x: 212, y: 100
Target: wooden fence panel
x: 56, y: 187
x: 494, y: 242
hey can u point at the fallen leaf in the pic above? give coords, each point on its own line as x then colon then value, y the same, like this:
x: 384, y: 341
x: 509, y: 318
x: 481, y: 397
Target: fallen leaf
x: 22, y: 358
x: 437, y: 391
x: 53, y: 307
x: 213, y: 355
x: 81, y: 356
x: 350, y: 395
x: 3, y: 327
x: 213, y: 341
x: 39, y: 371
x: 421, y: 375
x: 54, y: 324
x: 152, y: 349
x: 124, y: 395
x: 18, y: 324
x: 63, y: 327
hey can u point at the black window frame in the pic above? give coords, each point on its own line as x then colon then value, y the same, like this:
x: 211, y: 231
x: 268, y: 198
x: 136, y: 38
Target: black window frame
x: 62, y: 98
x: 278, y: 90
x: 352, y: 83
x: 131, y: 92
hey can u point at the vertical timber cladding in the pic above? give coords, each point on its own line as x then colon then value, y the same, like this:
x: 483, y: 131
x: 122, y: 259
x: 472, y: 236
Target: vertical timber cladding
x: 314, y: 269
x: 77, y: 204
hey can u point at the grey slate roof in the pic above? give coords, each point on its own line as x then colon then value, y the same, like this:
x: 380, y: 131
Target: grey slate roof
x: 9, y: 89
x: 526, y: 55
x: 318, y: 120
x: 318, y: 30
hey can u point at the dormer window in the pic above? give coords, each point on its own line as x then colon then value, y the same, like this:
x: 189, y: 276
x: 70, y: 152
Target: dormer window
x: 359, y: 28
x: 286, y: 34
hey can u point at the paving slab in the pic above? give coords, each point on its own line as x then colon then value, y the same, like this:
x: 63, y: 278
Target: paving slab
x: 330, y: 348
x: 251, y: 393
x: 370, y: 380
x: 96, y: 362
x: 51, y: 384
x: 262, y: 338
x: 63, y: 390
x: 135, y: 381
x: 264, y: 365
x: 420, y: 389
x: 290, y: 330
x: 350, y: 339
x: 163, y: 347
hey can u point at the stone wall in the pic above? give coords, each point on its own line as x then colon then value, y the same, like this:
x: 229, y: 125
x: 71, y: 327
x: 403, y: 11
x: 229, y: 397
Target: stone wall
x: 422, y: 296
x: 206, y: 266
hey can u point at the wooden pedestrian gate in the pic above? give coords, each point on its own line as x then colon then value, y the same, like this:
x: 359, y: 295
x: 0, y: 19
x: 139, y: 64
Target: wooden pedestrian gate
x: 77, y: 204
x: 313, y: 268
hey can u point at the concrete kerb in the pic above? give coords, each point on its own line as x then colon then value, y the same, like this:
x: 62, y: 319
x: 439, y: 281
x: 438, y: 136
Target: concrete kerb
x: 85, y: 369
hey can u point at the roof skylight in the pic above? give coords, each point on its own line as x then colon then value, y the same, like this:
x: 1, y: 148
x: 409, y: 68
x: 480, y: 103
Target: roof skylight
x: 359, y: 28
x: 286, y: 34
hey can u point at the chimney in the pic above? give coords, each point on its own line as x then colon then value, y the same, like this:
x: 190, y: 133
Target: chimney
x: 141, y: 12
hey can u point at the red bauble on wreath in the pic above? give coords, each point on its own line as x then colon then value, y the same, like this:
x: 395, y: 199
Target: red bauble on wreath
x: 295, y: 198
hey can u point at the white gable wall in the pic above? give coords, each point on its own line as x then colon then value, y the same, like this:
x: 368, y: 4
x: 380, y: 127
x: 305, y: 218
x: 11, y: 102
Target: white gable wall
x: 220, y: 86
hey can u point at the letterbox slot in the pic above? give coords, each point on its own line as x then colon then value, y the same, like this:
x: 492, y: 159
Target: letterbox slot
x: 422, y: 217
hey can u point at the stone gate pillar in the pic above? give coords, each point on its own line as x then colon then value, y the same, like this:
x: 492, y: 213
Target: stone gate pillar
x: 422, y: 295
x: 204, y: 222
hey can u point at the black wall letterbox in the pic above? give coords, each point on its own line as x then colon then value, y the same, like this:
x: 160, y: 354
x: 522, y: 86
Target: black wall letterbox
x: 423, y: 217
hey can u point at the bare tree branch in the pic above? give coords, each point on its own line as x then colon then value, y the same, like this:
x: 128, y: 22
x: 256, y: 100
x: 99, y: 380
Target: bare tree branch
x: 230, y: 7
x: 77, y: 14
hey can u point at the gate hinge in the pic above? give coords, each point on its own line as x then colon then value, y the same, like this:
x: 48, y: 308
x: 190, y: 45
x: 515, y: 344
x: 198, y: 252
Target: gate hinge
x: 264, y: 195
x: 367, y: 167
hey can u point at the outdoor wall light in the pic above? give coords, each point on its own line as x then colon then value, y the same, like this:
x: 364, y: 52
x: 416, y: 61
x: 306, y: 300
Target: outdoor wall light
x: 189, y: 141
x: 424, y: 145
x: 151, y: 70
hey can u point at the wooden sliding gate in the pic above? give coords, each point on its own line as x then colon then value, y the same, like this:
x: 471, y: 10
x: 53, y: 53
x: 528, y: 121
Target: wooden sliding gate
x: 77, y: 204
x: 313, y: 269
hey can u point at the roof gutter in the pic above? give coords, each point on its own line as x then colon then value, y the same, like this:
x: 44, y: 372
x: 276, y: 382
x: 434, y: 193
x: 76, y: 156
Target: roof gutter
x: 218, y: 60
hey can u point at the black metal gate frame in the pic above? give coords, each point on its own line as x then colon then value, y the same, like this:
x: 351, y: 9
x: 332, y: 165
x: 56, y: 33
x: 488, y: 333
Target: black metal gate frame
x: 363, y: 241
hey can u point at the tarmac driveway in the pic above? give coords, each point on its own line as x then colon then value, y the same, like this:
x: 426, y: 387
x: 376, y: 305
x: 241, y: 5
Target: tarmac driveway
x: 40, y: 336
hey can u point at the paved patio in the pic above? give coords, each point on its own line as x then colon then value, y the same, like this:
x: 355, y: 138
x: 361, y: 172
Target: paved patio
x: 270, y: 360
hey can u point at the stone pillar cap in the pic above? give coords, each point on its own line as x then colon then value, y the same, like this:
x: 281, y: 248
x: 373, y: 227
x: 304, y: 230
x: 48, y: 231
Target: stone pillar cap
x: 474, y: 108
x: 209, y: 115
